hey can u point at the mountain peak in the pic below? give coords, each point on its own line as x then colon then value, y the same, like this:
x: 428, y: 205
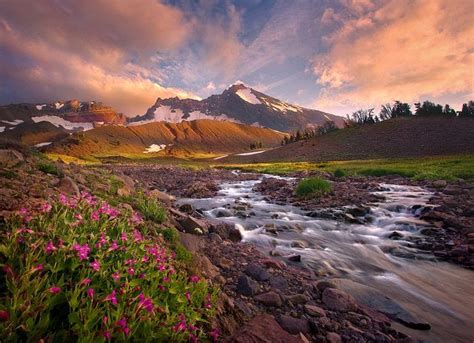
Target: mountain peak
x: 237, y: 85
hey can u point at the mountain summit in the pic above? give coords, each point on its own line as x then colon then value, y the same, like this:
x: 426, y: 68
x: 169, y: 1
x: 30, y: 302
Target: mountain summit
x: 240, y: 104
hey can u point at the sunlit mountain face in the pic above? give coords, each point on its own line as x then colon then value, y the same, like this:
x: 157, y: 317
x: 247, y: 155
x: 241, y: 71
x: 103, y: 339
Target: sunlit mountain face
x: 334, y: 56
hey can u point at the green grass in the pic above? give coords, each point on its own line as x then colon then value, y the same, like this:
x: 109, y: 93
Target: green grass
x: 115, y: 184
x: 339, y: 173
x: 8, y: 174
x: 313, y: 187
x: 150, y: 208
x: 49, y: 168
x: 426, y: 168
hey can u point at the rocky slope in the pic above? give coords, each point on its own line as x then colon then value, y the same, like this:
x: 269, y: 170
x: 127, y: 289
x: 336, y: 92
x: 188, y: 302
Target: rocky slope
x: 184, y: 139
x: 240, y: 104
x: 44, y: 123
x: 400, y: 137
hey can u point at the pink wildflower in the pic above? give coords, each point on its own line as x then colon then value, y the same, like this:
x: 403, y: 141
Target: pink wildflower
x: 95, y: 216
x: 112, y: 298
x: 55, y: 290
x: 63, y: 199
x: 123, y: 237
x: 46, y: 207
x: 50, y: 247
x: 116, y: 276
x: 90, y: 293
x: 86, y: 281
x: 181, y: 325
x: 114, y: 246
x: 82, y: 251
x: 214, y: 334
x: 193, y: 338
x: 146, y: 303
x: 137, y: 235
x: 123, y: 325
x: 95, y: 265
x: 78, y: 216
x: 194, y: 278
x: 102, y: 241
x: 105, y: 320
x: 136, y: 218
x: 145, y: 259
x: 188, y: 296
x: 107, y: 335
x: 38, y: 268
x: 131, y: 271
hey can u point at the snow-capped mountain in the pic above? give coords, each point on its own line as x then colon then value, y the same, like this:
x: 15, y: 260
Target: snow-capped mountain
x: 240, y: 104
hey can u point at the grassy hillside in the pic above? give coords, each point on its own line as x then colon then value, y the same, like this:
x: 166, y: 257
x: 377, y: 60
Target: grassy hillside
x: 401, y: 137
x: 200, y: 138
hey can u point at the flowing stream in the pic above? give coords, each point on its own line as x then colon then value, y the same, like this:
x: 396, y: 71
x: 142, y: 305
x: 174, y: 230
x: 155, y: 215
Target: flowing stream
x: 438, y: 293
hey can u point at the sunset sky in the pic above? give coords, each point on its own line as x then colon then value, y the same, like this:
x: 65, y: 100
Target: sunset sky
x: 335, y: 56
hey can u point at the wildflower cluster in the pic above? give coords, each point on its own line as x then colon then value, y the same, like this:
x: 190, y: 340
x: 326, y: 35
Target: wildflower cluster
x: 82, y: 270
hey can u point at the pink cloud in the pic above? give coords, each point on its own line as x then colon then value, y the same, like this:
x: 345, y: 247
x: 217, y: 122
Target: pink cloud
x: 399, y: 50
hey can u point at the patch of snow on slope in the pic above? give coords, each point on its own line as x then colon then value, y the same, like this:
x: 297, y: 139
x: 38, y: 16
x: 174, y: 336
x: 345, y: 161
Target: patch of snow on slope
x: 2, y: 128
x: 281, y: 106
x: 219, y: 157
x: 39, y: 145
x: 57, y: 121
x: 155, y: 148
x: 250, y: 153
x: 40, y: 107
x: 58, y: 105
x: 14, y: 122
x: 247, y: 95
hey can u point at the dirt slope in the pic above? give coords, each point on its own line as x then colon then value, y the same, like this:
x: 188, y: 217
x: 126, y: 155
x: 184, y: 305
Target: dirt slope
x: 401, y: 137
x: 185, y: 139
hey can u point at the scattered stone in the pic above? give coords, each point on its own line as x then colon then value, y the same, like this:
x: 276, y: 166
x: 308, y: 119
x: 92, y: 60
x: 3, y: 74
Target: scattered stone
x: 314, y: 311
x: 278, y: 282
x: 265, y: 329
x: 257, y: 273
x: 293, y: 325
x: 162, y: 196
x: 338, y: 300
x: 294, y: 258
x: 246, y: 286
x: 333, y: 337
x: 299, y: 244
x: 297, y: 299
x: 440, y: 183
x: 186, y: 208
x: 193, y: 225
x: 269, y: 299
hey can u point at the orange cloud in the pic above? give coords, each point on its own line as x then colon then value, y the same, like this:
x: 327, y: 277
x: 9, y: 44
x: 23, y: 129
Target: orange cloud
x: 401, y: 49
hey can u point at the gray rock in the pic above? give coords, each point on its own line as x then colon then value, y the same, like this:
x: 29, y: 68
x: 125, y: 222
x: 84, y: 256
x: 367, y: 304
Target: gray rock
x: 314, y: 311
x: 333, y: 337
x: 297, y: 299
x: 375, y: 299
x: 293, y: 325
x: 278, y: 282
x: 68, y: 186
x: 256, y: 272
x: 338, y: 300
x: 269, y: 299
x: 10, y: 158
x: 246, y: 286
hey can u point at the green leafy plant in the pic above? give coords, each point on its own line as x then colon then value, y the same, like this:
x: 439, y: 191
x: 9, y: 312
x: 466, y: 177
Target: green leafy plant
x: 148, y: 206
x: 81, y: 270
x: 313, y: 187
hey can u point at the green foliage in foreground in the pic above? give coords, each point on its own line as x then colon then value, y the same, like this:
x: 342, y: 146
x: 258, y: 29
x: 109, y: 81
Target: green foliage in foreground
x: 82, y: 271
x: 313, y: 187
x: 426, y: 168
x: 48, y: 168
x: 149, y: 207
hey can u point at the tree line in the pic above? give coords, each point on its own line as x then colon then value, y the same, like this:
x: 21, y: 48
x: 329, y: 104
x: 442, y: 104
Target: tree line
x: 401, y: 109
x: 387, y: 111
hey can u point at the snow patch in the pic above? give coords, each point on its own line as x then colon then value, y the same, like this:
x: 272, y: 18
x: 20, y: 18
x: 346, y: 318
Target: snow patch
x: 39, y: 145
x: 155, y: 148
x: 58, y: 105
x: 281, y: 106
x: 40, y: 107
x: 2, y: 128
x: 220, y: 157
x: 14, y: 122
x: 165, y: 113
x: 250, y: 153
x: 247, y: 95
x: 58, y: 121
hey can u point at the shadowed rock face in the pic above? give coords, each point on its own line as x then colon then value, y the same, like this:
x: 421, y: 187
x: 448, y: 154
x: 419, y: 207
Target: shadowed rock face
x: 240, y: 104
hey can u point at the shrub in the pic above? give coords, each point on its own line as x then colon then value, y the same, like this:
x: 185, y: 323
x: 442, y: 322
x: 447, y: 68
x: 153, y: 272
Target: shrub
x: 313, y: 187
x: 171, y: 235
x: 49, y: 168
x: 339, y: 173
x: 82, y: 271
x: 115, y: 185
